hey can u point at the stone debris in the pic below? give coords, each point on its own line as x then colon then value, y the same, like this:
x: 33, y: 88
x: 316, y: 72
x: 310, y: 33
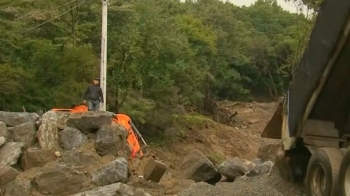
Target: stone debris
x: 7, y: 174
x: 12, y: 119
x: 154, y: 170
x: 34, y: 157
x: 84, y: 154
x: 115, y: 171
x: 75, y: 159
x: 48, y: 135
x: 89, y: 121
x: 4, y: 131
x: 10, y: 153
x: 59, y: 179
x: 235, y: 167
x: 71, y: 138
x: 59, y: 118
x: 2, y: 141
x: 110, y: 139
x: 18, y: 187
x: 24, y: 133
x: 196, y: 166
x: 114, y: 190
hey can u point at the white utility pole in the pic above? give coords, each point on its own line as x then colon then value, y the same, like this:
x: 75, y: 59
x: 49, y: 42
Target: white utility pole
x: 103, y: 71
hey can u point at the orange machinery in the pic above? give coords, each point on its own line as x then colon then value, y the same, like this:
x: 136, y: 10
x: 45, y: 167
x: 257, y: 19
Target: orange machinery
x: 122, y: 119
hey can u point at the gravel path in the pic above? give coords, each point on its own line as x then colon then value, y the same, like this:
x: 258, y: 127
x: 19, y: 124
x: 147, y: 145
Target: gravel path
x: 262, y: 185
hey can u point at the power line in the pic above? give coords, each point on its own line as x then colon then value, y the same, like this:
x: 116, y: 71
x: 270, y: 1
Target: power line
x: 82, y: 2
x: 65, y: 4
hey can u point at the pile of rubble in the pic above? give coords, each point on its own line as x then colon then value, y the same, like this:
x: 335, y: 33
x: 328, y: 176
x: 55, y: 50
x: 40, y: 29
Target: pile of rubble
x: 63, y: 154
x: 197, y: 167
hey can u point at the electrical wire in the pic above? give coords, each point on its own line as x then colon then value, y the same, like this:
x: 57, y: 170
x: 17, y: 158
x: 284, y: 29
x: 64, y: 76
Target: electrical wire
x: 65, y: 12
x: 65, y: 4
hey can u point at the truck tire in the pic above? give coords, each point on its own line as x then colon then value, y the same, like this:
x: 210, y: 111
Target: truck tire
x: 344, y: 175
x: 322, y: 172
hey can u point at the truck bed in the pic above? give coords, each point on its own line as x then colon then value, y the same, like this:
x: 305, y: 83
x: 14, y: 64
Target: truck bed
x: 332, y: 104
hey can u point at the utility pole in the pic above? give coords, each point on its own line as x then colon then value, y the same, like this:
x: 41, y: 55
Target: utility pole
x: 103, y: 68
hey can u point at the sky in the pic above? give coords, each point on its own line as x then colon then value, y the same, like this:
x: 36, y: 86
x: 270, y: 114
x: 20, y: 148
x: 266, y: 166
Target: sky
x: 289, y: 6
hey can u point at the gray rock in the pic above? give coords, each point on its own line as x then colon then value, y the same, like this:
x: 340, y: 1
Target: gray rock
x: 7, y: 174
x: 114, y: 190
x: 196, y: 166
x: 18, y: 187
x: 2, y: 140
x: 235, y: 167
x: 25, y: 133
x: 59, y: 179
x: 4, y: 131
x: 71, y: 138
x: 48, y: 135
x: 264, y: 168
x: 59, y: 118
x: 10, y: 152
x: 115, y: 171
x: 12, y: 119
x: 89, y: 121
x: 111, y: 139
x: 73, y: 158
x: 257, y: 161
x: 33, y: 157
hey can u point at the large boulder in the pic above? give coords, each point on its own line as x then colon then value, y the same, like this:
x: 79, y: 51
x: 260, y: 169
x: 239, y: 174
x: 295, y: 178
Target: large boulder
x: 71, y: 138
x: 59, y: 179
x: 12, y: 119
x: 25, y: 133
x: 113, y: 190
x: 196, y: 166
x: 115, y: 171
x: 59, y: 118
x: 33, y: 157
x: 235, y: 167
x: 89, y: 121
x: 4, y: 131
x: 7, y: 174
x: 10, y: 152
x: 48, y: 135
x: 19, y: 187
x: 74, y: 158
x: 111, y: 139
x: 259, y: 169
x: 2, y: 140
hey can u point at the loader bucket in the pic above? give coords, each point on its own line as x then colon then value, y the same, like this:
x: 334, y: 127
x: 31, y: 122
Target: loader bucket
x: 274, y: 127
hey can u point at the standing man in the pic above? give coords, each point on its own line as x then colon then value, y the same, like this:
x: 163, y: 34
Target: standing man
x: 93, y: 95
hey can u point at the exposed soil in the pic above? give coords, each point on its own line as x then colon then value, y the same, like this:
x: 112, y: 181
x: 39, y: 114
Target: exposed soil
x: 239, y: 137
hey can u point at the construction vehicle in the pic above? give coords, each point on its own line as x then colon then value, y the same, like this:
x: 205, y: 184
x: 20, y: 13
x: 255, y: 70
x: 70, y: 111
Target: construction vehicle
x: 122, y: 119
x: 313, y: 120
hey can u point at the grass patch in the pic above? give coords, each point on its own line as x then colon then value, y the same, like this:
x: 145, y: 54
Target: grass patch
x: 216, y: 158
x: 193, y: 119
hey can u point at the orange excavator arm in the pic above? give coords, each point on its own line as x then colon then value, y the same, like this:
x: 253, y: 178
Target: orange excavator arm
x: 132, y: 139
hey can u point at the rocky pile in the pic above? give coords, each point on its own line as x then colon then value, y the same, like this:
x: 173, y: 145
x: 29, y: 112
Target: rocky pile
x: 240, y: 178
x: 63, y: 154
x: 197, y: 167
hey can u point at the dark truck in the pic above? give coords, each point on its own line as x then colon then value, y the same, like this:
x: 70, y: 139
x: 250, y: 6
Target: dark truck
x: 313, y: 120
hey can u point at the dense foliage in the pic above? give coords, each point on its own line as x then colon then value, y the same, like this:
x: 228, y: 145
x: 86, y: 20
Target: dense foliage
x: 164, y: 56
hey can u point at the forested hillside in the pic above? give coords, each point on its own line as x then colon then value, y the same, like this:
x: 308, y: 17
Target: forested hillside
x: 164, y: 56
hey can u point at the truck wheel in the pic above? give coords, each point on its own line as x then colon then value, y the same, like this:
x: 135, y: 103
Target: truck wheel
x: 322, y: 172
x: 344, y: 175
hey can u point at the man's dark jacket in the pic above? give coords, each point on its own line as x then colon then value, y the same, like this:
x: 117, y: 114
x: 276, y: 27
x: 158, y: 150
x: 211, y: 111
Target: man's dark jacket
x: 93, y: 92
